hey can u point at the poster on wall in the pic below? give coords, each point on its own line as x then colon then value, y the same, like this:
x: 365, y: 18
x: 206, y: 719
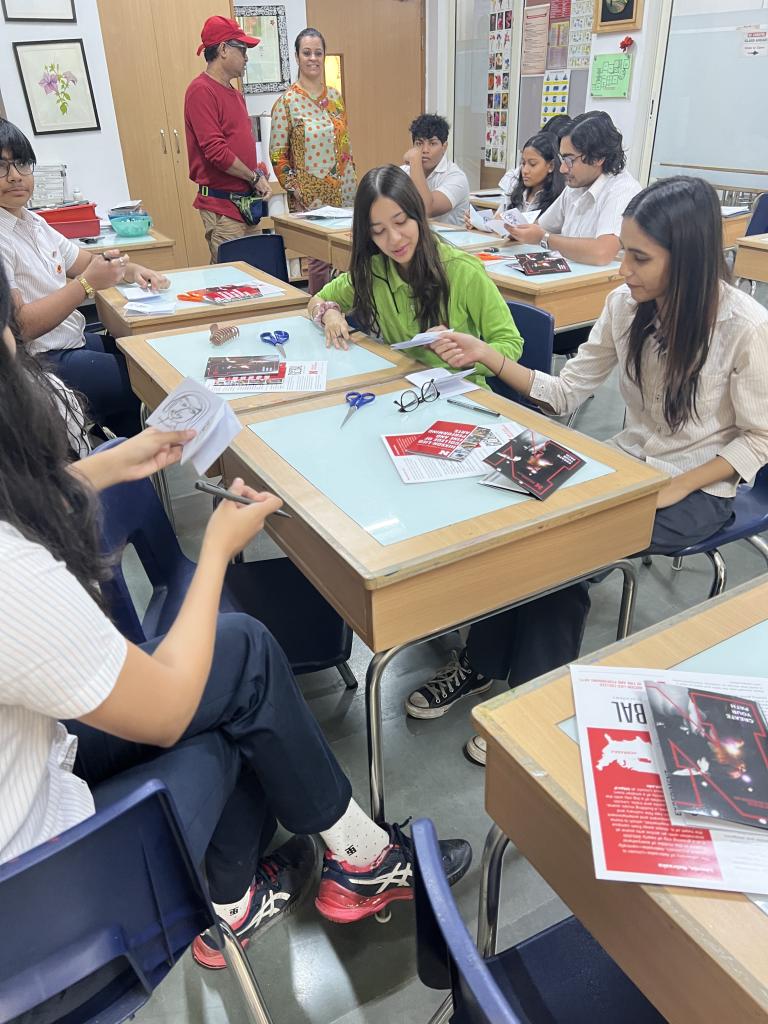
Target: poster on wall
x: 535, y: 39
x: 580, y: 35
x: 557, y: 52
x: 269, y: 67
x: 57, y: 86
x: 38, y: 10
x: 554, y: 94
x: 754, y: 41
x: 497, y: 101
x: 611, y: 76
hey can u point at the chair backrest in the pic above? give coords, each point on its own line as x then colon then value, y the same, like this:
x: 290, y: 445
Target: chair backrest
x: 537, y: 327
x: 95, y: 919
x: 446, y: 956
x: 265, y: 252
x: 758, y: 222
x: 133, y: 514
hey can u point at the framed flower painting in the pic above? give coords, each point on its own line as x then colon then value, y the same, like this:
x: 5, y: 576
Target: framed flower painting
x: 57, y: 86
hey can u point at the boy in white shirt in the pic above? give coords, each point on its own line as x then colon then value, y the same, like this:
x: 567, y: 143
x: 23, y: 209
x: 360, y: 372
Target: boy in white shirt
x: 441, y: 183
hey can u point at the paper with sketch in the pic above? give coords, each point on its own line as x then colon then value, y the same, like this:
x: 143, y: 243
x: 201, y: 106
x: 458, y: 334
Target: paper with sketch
x: 479, y: 218
x: 633, y: 839
x: 424, y: 338
x: 156, y: 306
x: 329, y: 212
x: 310, y: 375
x: 190, y: 406
x: 448, y: 383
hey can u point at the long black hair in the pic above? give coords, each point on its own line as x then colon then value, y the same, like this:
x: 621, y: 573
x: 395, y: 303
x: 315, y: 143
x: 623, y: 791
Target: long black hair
x: 39, y: 495
x: 426, y: 275
x: 545, y: 144
x: 683, y: 216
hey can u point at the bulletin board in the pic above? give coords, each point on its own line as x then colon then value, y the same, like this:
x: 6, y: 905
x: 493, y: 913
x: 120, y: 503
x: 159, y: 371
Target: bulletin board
x: 554, y: 62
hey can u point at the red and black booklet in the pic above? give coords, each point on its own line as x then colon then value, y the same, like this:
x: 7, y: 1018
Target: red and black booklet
x: 533, y: 264
x: 448, y: 440
x: 531, y: 464
x: 241, y: 366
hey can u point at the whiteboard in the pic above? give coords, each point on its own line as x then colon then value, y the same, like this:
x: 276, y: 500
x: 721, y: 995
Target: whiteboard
x: 714, y: 97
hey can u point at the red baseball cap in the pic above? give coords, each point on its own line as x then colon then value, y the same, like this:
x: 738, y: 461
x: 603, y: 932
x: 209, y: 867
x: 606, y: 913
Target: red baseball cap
x: 221, y: 30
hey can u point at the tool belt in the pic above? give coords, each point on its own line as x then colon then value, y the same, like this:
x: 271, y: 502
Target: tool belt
x: 249, y: 205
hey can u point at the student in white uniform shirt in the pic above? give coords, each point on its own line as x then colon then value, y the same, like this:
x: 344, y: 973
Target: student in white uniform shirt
x: 441, y: 183
x: 584, y: 222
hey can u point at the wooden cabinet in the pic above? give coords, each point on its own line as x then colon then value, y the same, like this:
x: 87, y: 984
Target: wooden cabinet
x: 150, y: 50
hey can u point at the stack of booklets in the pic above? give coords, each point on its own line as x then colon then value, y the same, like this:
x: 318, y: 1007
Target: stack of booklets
x: 505, y: 455
x: 676, y: 775
x: 238, y: 375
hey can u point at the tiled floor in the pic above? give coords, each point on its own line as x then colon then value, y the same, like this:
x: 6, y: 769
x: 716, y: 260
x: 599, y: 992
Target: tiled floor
x: 312, y: 971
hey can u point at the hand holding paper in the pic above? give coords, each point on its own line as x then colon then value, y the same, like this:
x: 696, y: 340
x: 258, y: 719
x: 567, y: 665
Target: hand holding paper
x: 191, y: 406
x: 425, y: 338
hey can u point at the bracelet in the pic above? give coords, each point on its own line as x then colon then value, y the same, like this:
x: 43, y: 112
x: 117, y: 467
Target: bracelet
x: 318, y: 314
x: 532, y: 381
x: 503, y: 364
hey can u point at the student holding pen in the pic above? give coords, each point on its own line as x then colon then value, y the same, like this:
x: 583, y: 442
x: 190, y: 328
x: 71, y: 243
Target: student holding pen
x: 691, y: 353
x: 403, y: 280
x: 49, y: 278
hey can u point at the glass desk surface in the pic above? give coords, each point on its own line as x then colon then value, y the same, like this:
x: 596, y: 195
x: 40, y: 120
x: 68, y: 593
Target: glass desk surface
x: 111, y: 238
x: 332, y: 223
x: 353, y: 469
x: 462, y: 238
x: 206, y: 277
x: 189, y: 353
x: 577, y: 269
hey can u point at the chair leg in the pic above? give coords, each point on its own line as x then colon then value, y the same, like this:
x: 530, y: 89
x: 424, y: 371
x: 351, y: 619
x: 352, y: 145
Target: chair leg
x: 490, y: 890
x: 677, y: 563
x: 721, y: 573
x: 574, y: 415
x: 347, y: 675
x: 647, y: 560
x: 443, y: 1013
x: 759, y: 545
x: 628, y: 595
x: 240, y: 966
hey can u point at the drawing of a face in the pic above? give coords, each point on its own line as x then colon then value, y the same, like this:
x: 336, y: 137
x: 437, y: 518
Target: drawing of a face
x: 186, y: 410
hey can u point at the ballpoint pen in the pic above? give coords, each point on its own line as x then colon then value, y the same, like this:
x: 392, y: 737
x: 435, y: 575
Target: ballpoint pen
x: 222, y: 492
x: 475, y: 408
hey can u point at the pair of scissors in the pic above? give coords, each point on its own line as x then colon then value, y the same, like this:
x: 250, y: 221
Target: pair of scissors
x: 356, y: 400
x: 276, y: 338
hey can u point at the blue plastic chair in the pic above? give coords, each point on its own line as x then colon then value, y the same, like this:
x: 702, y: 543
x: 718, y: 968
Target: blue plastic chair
x: 537, y: 328
x: 272, y: 591
x: 94, y: 919
x: 750, y: 518
x: 560, y: 976
x: 758, y: 222
x: 265, y: 252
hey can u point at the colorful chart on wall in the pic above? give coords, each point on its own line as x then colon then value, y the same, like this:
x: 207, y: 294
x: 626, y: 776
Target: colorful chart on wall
x: 497, y: 98
x: 611, y: 75
x: 554, y: 94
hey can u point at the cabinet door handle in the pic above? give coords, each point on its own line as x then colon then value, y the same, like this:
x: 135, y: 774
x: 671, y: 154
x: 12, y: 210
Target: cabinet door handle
x: 176, y: 136
x: 162, y: 136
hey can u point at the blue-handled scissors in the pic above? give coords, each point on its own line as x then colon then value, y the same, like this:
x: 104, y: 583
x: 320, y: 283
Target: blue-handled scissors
x: 356, y: 400
x: 276, y: 338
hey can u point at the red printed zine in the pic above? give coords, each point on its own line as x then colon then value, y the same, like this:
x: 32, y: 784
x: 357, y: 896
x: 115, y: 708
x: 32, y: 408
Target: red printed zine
x: 446, y: 440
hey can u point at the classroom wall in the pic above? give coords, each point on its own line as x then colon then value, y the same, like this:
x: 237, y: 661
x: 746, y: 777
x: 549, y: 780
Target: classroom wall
x: 94, y: 159
x: 296, y: 20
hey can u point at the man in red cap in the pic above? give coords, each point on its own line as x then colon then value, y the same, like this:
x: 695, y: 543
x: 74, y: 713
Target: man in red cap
x: 220, y: 143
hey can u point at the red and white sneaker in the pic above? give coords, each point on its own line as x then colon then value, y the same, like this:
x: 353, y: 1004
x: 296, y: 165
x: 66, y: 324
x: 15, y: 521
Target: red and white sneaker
x: 350, y: 893
x: 280, y: 884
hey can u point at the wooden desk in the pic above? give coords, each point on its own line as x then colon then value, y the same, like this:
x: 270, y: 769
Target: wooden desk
x: 308, y: 237
x: 734, y: 228
x: 111, y: 301
x: 752, y: 258
x: 699, y: 955
x: 158, y: 254
x: 153, y: 376
x: 573, y: 299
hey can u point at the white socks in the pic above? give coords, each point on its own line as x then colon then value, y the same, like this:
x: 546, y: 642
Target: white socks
x: 355, y: 838
x: 231, y: 912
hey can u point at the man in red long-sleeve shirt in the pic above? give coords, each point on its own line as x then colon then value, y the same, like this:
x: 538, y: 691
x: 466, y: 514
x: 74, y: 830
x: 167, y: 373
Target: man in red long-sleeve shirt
x: 220, y: 143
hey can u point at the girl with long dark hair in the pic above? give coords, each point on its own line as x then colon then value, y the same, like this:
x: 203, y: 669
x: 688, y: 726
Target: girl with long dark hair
x: 691, y: 353
x: 403, y: 279
x: 211, y: 709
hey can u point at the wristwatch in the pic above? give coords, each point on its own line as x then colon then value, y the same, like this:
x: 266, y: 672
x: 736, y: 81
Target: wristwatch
x: 87, y: 287
x: 545, y: 240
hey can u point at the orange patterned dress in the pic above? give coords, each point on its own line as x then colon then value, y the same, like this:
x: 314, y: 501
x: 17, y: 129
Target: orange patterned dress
x: 309, y: 147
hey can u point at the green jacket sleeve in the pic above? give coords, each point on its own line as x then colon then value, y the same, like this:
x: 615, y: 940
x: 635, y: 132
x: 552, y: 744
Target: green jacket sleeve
x: 490, y: 312
x: 339, y: 290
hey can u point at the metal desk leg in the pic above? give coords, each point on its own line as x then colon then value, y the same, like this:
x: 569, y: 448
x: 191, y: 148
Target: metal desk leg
x: 159, y: 479
x: 373, y: 677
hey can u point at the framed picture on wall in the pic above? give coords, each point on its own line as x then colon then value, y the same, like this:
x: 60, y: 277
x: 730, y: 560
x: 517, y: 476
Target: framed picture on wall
x: 57, y: 86
x: 39, y: 10
x: 617, y: 15
x: 269, y: 65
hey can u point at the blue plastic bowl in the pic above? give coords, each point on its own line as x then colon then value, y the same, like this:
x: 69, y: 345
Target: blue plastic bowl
x: 131, y: 225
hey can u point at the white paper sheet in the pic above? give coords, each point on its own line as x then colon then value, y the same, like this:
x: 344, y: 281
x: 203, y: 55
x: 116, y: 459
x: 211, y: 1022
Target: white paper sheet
x: 479, y: 218
x: 633, y: 839
x: 329, y: 212
x: 448, y: 383
x: 425, y: 338
x: 190, y: 406
x: 135, y: 291
x: 150, y: 307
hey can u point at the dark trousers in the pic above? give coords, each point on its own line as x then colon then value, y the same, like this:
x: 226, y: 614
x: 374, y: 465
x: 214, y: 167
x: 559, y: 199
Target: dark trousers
x: 537, y: 637
x: 252, y: 755
x: 102, y: 377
